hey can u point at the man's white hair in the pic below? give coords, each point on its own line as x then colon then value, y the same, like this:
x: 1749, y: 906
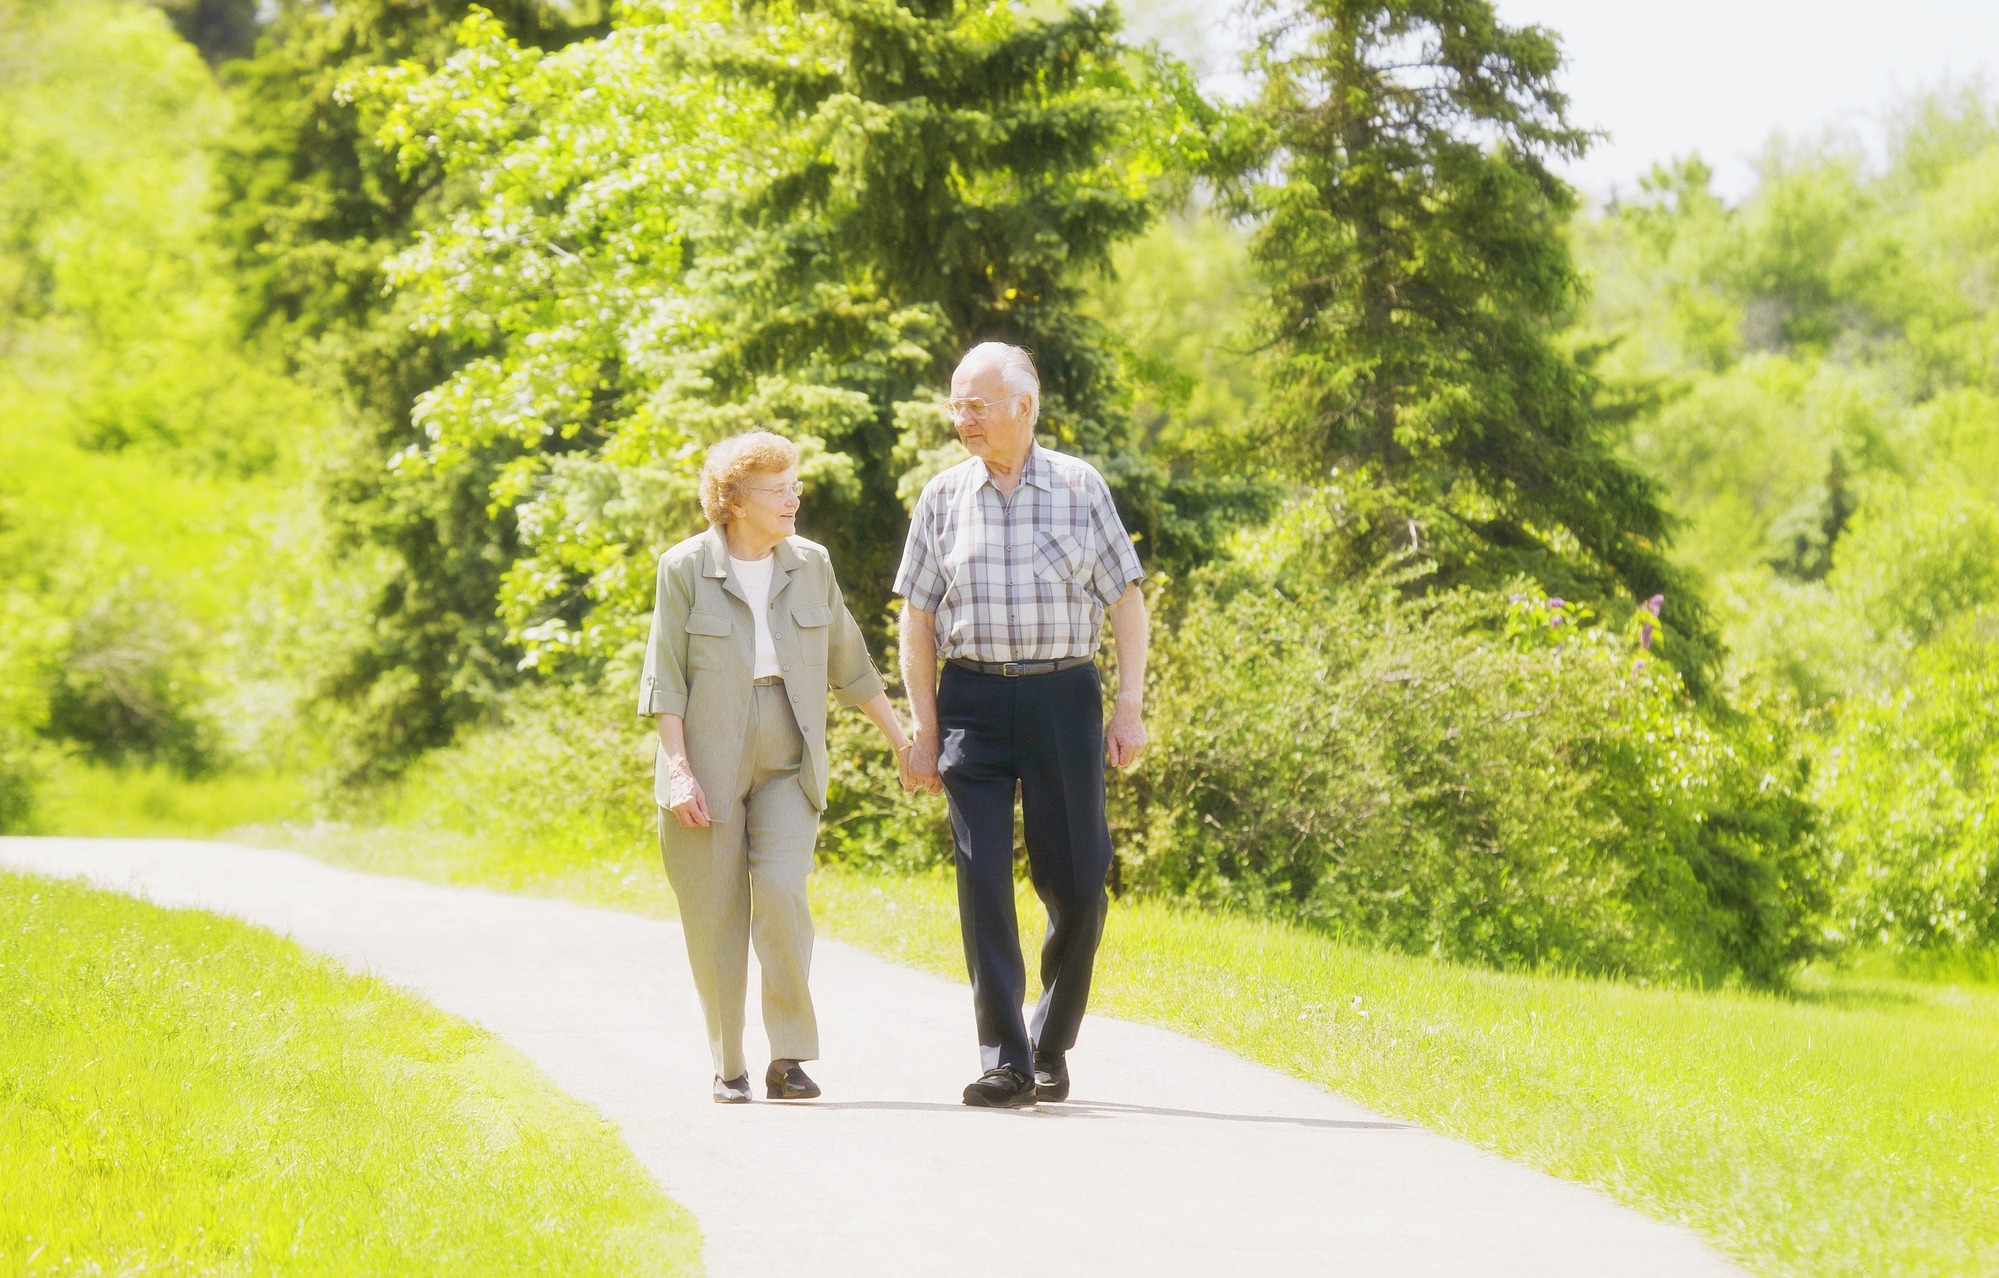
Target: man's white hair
x: 1016, y: 370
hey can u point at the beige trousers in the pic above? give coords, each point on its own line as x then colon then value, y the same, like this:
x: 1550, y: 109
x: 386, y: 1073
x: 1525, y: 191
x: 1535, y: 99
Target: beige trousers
x: 742, y: 879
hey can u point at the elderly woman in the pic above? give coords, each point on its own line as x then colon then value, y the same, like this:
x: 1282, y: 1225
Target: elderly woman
x: 748, y: 632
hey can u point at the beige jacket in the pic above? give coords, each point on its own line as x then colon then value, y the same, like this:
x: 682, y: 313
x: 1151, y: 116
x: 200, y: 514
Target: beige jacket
x: 702, y: 653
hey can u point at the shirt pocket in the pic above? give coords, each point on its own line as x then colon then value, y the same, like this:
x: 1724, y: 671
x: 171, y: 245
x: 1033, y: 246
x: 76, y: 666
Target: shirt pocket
x: 1058, y: 558
x: 708, y: 640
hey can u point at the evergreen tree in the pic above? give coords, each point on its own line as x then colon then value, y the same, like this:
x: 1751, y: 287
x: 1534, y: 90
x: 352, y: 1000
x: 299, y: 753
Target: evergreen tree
x: 970, y: 166
x: 221, y: 29
x: 311, y: 208
x: 1413, y: 238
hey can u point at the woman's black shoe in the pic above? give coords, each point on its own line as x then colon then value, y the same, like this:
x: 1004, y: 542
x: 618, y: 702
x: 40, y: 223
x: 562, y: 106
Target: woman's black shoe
x: 789, y: 1083
x: 1002, y: 1088
x: 1051, y: 1076
x: 732, y: 1091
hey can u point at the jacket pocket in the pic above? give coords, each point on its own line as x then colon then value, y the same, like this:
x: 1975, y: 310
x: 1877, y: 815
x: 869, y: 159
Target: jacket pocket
x: 708, y: 640
x: 813, y: 615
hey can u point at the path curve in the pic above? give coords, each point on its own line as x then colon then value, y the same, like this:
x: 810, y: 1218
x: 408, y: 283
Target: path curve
x: 1173, y: 1157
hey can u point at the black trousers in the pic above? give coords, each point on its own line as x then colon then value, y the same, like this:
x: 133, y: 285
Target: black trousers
x: 1044, y: 734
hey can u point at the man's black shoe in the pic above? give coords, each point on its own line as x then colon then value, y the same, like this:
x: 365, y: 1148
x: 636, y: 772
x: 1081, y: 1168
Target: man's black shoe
x: 1002, y: 1088
x: 1051, y: 1076
x: 732, y: 1091
x: 789, y: 1083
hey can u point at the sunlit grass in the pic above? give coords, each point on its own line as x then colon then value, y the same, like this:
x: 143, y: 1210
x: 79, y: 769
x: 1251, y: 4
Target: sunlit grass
x: 183, y: 1093
x: 86, y: 799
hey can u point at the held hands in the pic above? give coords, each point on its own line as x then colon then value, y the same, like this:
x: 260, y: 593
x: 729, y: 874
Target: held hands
x: 917, y: 765
x: 690, y: 805
x: 1124, y: 736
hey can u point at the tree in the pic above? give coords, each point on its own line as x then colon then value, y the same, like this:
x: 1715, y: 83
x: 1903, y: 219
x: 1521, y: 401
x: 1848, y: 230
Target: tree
x: 969, y: 168
x: 221, y: 29
x: 1413, y: 240
x: 798, y: 222
x: 311, y: 208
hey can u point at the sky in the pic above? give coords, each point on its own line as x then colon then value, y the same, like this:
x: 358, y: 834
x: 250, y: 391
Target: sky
x: 1713, y: 77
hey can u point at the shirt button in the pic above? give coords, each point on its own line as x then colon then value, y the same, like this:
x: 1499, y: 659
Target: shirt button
x: 784, y: 667
x: 778, y: 635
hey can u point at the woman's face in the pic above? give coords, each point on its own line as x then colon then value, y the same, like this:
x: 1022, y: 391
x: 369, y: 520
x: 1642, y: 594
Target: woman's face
x: 766, y: 507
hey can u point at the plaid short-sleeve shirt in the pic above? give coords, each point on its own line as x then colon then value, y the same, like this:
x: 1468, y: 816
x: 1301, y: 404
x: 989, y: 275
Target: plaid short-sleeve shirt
x: 1020, y: 579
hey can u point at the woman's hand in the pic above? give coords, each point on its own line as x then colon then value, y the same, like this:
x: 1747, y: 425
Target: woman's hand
x: 920, y: 762
x: 690, y: 805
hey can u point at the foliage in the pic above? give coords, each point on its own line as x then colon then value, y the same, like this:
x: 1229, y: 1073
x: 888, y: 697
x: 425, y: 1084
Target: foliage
x: 310, y: 208
x: 869, y: 822
x: 158, y: 594
x: 114, y: 311
x: 1411, y: 235
x: 220, y: 29
x: 696, y: 223
x: 188, y: 1093
x: 1910, y: 786
x: 1463, y: 776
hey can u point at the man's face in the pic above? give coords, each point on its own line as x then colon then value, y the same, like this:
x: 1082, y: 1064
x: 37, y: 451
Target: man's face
x: 996, y: 432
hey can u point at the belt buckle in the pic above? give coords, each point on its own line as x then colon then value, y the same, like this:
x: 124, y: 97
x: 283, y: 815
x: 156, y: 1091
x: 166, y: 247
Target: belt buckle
x: 1011, y: 669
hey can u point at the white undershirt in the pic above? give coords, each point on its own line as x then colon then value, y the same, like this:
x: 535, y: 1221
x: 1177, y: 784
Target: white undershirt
x: 753, y: 575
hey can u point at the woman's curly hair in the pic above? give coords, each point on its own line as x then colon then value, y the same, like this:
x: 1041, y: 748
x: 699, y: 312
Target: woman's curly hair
x: 732, y: 462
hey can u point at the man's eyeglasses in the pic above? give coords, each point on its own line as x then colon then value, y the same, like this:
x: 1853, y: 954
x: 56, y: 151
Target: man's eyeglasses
x: 796, y: 488
x: 975, y: 407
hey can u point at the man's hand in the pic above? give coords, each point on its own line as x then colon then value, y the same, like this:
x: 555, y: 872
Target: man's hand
x: 1124, y: 736
x: 690, y: 805
x: 921, y: 764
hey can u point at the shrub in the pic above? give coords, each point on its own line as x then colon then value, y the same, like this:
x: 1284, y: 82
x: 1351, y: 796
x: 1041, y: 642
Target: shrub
x: 29, y: 640
x: 1910, y: 788
x: 869, y: 821
x: 1916, y: 559
x: 563, y: 770
x: 1466, y: 776
x: 128, y: 689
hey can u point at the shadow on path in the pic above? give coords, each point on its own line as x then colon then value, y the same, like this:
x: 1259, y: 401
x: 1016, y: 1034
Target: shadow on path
x: 1106, y: 1109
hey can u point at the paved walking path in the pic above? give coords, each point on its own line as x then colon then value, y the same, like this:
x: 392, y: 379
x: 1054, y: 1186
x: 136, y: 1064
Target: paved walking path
x: 1173, y: 1157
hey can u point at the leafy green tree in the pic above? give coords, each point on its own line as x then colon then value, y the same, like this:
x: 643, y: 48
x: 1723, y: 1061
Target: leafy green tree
x: 696, y: 223
x: 1413, y: 242
x: 311, y: 208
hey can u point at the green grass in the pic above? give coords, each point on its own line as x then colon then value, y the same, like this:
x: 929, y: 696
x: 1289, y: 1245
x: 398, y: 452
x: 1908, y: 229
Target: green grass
x: 86, y: 799
x: 185, y: 1093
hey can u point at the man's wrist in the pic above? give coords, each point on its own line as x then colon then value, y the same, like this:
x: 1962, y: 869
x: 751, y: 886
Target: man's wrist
x: 1135, y: 698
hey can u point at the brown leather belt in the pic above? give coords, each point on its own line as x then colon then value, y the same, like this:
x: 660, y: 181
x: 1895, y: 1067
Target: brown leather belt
x: 1015, y: 669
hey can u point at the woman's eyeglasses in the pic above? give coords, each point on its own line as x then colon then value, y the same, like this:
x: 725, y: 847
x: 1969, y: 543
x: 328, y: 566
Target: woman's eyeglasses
x: 796, y: 488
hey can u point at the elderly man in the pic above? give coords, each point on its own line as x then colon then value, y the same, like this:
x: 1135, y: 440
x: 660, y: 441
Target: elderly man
x: 1014, y: 556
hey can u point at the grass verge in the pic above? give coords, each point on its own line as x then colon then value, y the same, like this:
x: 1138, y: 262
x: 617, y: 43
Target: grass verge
x: 181, y: 1092
x: 94, y: 800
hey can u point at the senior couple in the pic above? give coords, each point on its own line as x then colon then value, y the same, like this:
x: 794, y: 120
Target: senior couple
x: 1014, y: 557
